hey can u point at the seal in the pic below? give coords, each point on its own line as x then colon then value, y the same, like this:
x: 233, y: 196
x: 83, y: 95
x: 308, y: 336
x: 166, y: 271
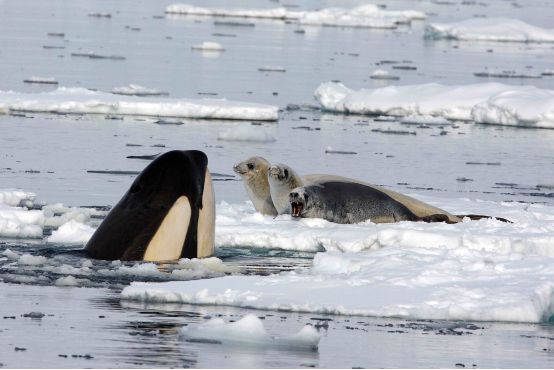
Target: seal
x: 253, y: 172
x: 168, y: 213
x: 346, y: 202
x: 282, y: 179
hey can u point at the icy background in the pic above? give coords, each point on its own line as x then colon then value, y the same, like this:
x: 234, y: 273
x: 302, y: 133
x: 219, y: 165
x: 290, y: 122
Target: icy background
x: 62, y: 170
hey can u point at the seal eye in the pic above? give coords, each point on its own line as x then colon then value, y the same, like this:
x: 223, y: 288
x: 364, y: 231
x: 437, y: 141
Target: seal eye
x: 250, y: 166
x: 286, y: 173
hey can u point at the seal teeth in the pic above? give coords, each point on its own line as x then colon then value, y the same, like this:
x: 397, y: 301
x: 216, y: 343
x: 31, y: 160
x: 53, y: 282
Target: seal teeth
x: 296, y: 209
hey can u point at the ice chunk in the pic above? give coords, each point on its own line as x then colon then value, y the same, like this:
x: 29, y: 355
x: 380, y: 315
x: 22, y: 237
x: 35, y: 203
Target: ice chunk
x: 79, y: 100
x: 246, y: 133
x: 72, y: 232
x: 69, y: 281
x: 490, y: 29
x: 18, y: 222
x: 493, y: 103
x: 381, y: 74
x: 249, y: 331
x: 16, y: 197
x: 209, y: 46
x: 31, y: 260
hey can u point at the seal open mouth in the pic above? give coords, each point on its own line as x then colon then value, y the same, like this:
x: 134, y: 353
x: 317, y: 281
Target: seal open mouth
x: 296, y: 208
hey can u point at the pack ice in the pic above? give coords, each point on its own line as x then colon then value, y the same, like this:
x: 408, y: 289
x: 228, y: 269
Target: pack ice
x: 492, y: 103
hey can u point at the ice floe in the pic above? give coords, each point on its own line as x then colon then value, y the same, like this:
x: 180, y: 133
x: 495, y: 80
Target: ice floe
x: 250, y: 332
x: 83, y: 101
x: 492, y: 103
x: 490, y: 29
x: 407, y: 282
x: 246, y: 133
x: 369, y: 16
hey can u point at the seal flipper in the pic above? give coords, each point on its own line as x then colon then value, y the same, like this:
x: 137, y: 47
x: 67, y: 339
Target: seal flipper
x: 437, y: 218
x: 479, y: 217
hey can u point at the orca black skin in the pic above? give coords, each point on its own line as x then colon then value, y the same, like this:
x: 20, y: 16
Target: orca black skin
x: 128, y: 229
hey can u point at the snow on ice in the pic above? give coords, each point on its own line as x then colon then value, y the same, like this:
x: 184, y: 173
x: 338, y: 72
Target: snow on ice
x: 490, y: 29
x: 249, y: 331
x: 83, y: 101
x: 492, y: 103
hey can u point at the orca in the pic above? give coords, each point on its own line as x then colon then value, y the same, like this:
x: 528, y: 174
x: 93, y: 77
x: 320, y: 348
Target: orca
x: 168, y: 213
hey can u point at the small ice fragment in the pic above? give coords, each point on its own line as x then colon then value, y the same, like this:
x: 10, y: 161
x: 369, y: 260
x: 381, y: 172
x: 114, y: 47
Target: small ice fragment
x: 250, y: 332
x: 381, y: 74
x: 31, y: 260
x: 208, y: 45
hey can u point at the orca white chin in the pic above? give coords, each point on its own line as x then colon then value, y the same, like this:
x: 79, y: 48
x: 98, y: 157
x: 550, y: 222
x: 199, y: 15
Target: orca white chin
x: 167, y: 242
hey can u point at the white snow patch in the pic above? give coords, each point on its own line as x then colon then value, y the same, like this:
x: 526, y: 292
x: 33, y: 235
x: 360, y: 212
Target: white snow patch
x: 31, y: 260
x: 492, y: 103
x: 72, y: 232
x: 83, y: 101
x: 490, y: 29
x: 246, y: 133
x: 369, y: 16
x: 250, y: 331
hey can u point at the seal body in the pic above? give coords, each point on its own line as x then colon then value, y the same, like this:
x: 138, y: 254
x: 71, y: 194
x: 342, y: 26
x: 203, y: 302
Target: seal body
x: 168, y: 213
x: 253, y: 172
x: 349, y: 202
